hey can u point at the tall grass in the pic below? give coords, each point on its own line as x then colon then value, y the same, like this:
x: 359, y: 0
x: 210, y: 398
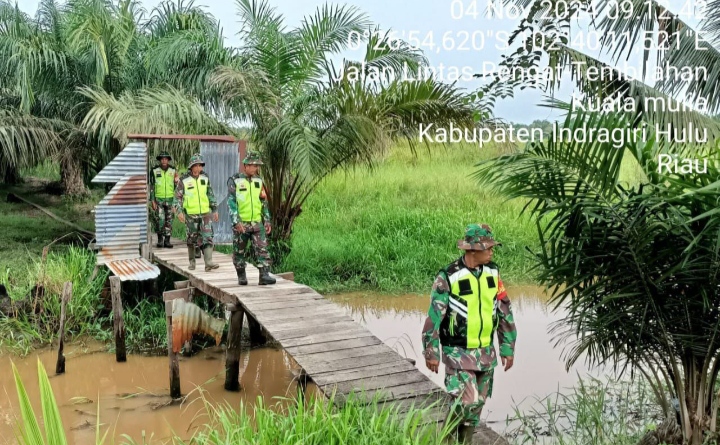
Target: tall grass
x: 39, y: 321
x: 391, y: 229
x: 593, y: 413
x: 316, y: 422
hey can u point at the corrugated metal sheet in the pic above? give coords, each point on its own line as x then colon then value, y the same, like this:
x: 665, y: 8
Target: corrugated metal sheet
x: 222, y: 160
x: 121, y: 217
x: 131, y: 161
x: 137, y: 269
x: 188, y: 318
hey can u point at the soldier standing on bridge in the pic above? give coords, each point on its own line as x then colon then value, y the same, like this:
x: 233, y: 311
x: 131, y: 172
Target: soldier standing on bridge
x: 468, y: 305
x: 250, y: 218
x: 194, y: 202
x: 163, y: 179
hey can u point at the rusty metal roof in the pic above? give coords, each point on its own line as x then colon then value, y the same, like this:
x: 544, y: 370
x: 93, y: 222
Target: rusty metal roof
x: 121, y: 216
x: 137, y: 269
x: 191, y: 137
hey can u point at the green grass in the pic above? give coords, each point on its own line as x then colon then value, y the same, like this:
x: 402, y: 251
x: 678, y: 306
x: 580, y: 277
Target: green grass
x: 393, y: 228
x: 48, y: 170
x: 594, y: 412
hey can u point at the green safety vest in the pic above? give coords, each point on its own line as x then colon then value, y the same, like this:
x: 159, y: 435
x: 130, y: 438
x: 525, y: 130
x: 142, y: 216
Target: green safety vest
x: 470, y: 320
x: 247, y: 195
x: 164, y: 182
x: 196, y: 201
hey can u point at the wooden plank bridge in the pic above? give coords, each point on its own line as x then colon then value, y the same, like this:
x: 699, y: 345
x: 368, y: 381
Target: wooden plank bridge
x: 335, y: 352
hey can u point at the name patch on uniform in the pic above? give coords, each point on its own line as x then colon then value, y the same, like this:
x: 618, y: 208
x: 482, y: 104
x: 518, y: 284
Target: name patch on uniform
x: 257, y: 185
x: 202, y: 182
x: 158, y: 175
x: 491, y: 282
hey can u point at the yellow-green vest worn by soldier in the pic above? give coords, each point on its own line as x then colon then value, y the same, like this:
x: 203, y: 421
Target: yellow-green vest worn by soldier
x: 247, y: 195
x: 164, y: 182
x: 196, y: 201
x: 471, y: 319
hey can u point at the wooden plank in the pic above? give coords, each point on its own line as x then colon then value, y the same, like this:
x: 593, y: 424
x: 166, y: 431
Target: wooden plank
x: 267, y: 317
x: 278, y: 304
x: 378, y: 382
x: 183, y: 294
x: 336, y: 335
x: 286, y: 275
x: 273, y: 291
x: 317, y: 305
x: 118, y: 324
x: 313, y: 366
x: 346, y: 353
x: 362, y: 373
x: 432, y: 400
x: 397, y: 392
x: 276, y: 299
x: 308, y: 334
x: 182, y: 284
x: 333, y: 345
x: 279, y: 325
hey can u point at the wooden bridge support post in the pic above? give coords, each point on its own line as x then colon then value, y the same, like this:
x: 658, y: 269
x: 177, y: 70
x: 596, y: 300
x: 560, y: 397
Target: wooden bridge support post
x: 172, y: 356
x: 303, y: 382
x: 118, y: 323
x: 232, y: 359
x: 257, y: 337
x: 66, y: 296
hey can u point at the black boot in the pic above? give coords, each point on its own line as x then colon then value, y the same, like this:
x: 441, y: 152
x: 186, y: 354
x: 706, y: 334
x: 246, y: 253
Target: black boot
x: 242, y: 278
x: 465, y: 433
x: 167, y: 242
x: 160, y: 241
x: 265, y: 277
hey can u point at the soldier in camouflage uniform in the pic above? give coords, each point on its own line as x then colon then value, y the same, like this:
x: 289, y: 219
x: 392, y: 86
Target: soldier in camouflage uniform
x: 195, y: 205
x: 250, y: 218
x: 468, y: 306
x: 163, y: 180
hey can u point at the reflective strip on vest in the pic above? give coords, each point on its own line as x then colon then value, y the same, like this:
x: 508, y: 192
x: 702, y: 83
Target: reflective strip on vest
x: 196, y: 201
x: 477, y: 298
x: 164, y: 183
x: 247, y: 195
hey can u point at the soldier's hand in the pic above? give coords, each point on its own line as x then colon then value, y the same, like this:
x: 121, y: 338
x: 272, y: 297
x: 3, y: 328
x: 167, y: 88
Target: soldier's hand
x: 181, y: 217
x: 432, y: 365
x: 154, y: 205
x: 216, y: 217
x: 507, y: 362
x: 268, y: 228
x: 240, y: 227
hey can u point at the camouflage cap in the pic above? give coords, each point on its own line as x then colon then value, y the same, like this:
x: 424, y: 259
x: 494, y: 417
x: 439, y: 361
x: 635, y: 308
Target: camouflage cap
x: 164, y: 155
x: 477, y: 237
x: 253, y: 158
x: 196, y: 159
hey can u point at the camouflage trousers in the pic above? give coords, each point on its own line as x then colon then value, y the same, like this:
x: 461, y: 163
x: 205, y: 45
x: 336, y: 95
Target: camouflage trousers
x: 199, y: 228
x: 163, y: 216
x: 254, y: 232
x: 473, y: 388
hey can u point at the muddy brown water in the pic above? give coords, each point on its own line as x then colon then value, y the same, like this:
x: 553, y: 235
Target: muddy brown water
x: 132, y: 396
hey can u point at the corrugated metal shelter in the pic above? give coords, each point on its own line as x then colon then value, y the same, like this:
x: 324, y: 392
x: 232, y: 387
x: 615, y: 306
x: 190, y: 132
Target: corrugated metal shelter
x: 222, y: 156
x: 222, y: 160
x: 121, y: 217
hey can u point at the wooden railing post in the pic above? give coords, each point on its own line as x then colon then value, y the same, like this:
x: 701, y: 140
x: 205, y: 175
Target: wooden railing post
x: 118, y: 323
x: 66, y: 296
x: 172, y: 356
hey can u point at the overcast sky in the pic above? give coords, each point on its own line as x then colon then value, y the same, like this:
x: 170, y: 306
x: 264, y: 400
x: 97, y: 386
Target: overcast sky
x: 421, y: 17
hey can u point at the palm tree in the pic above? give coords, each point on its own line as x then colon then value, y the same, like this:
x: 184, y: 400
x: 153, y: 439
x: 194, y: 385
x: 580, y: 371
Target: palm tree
x: 634, y: 265
x: 307, y: 119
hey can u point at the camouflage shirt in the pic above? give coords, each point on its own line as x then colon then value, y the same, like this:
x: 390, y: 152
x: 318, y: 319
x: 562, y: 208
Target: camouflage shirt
x: 479, y: 359
x: 232, y: 200
x: 180, y: 193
